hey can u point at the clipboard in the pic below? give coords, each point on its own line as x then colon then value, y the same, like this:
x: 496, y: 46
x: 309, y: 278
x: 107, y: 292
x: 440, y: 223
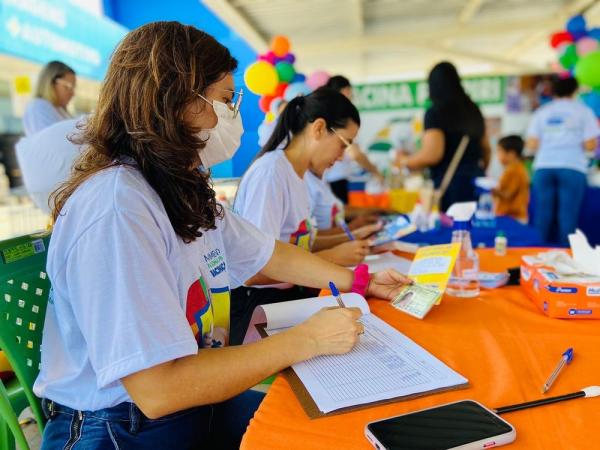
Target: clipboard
x: 310, y: 407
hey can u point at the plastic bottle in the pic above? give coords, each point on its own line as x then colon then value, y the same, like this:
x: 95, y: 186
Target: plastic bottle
x: 500, y: 244
x: 434, y: 218
x: 464, y: 281
x: 485, y: 214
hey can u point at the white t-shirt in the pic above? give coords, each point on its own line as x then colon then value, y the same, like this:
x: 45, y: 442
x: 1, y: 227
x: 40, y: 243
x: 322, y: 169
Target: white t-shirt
x: 562, y: 126
x: 128, y: 293
x: 39, y: 114
x: 325, y: 207
x: 46, y: 159
x: 273, y: 197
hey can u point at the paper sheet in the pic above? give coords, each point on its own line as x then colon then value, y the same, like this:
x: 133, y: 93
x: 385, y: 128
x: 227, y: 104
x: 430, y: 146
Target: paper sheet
x: 388, y: 260
x: 385, y: 364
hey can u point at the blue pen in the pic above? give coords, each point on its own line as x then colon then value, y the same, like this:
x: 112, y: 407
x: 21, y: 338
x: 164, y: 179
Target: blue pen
x: 336, y: 294
x: 346, y: 230
x: 565, y: 359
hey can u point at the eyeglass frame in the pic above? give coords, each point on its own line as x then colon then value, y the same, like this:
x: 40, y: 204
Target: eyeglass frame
x: 345, y: 141
x: 67, y: 84
x: 236, y: 105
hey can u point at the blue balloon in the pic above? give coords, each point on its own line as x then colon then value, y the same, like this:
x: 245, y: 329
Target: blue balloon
x: 296, y: 89
x: 592, y: 99
x: 578, y: 35
x: 576, y: 24
x: 299, y: 77
x: 594, y: 33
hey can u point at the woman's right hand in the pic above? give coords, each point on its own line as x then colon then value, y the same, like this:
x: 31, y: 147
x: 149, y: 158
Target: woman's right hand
x: 367, y: 230
x: 350, y: 253
x: 332, y: 331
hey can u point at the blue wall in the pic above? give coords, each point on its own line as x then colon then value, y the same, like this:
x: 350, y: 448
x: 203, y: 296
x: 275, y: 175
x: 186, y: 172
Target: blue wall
x: 133, y: 13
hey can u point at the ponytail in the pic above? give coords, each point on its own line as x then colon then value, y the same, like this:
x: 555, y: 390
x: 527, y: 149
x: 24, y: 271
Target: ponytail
x: 327, y: 104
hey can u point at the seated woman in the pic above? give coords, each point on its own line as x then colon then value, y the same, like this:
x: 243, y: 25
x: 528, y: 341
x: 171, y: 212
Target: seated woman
x: 142, y: 260
x: 314, y: 130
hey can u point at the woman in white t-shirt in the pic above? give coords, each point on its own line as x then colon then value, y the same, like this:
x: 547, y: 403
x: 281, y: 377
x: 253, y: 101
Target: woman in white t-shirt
x: 272, y: 195
x: 142, y: 260
x: 560, y: 133
x: 54, y: 91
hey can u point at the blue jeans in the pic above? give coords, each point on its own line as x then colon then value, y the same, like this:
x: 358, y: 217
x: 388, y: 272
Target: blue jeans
x: 558, y: 198
x: 124, y: 426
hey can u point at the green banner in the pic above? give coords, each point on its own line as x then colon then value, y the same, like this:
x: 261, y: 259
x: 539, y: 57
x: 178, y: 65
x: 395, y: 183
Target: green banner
x: 414, y: 94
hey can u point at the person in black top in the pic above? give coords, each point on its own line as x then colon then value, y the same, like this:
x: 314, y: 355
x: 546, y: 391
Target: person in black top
x: 451, y: 116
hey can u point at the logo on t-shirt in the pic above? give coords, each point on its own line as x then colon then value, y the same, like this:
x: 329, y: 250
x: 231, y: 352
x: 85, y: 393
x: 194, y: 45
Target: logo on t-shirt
x: 337, y: 214
x: 302, y: 236
x: 207, y: 312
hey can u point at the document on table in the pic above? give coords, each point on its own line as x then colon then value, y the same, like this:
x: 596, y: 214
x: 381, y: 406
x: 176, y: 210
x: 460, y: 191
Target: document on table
x: 384, y: 365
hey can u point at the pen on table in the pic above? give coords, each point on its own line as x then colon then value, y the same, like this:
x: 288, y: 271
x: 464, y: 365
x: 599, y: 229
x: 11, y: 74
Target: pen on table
x: 588, y: 392
x: 336, y: 294
x: 346, y: 230
x: 565, y: 359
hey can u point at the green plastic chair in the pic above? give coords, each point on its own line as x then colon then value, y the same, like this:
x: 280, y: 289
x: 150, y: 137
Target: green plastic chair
x: 10, y: 430
x: 24, y: 289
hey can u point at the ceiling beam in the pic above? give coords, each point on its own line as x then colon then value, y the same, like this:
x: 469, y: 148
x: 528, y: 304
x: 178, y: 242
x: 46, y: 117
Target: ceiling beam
x: 358, y: 16
x: 469, y: 10
x: 524, y: 44
x: 238, y: 22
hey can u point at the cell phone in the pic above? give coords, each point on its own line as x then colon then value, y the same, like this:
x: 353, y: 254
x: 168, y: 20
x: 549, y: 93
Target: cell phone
x: 462, y: 425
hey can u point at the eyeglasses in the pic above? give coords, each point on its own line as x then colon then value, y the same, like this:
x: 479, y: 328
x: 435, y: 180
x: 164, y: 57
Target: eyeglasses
x: 234, y: 103
x: 67, y: 84
x: 345, y: 141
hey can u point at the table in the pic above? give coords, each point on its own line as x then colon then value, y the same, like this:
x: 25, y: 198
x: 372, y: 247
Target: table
x: 500, y: 342
x: 518, y: 235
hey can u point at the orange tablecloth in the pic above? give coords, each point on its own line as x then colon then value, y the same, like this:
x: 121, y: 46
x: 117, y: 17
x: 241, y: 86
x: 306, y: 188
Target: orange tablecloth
x: 500, y: 342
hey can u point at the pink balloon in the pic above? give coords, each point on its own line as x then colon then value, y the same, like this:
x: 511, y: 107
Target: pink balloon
x: 586, y: 45
x: 317, y: 79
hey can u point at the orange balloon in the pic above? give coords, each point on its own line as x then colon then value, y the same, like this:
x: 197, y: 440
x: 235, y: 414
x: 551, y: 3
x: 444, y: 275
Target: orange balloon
x: 280, y: 45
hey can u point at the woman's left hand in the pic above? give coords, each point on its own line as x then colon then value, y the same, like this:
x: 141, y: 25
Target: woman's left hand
x: 387, y: 284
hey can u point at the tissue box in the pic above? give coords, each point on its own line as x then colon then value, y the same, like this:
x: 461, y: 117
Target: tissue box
x: 559, y: 296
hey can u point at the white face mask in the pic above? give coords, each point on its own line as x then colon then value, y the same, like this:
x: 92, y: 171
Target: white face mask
x: 224, y: 139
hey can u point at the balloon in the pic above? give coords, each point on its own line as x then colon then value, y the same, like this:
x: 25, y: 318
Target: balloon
x: 586, y: 45
x: 269, y: 117
x: 280, y: 45
x: 562, y: 48
x: 261, y: 78
x: 265, y: 103
x: 559, y: 38
x: 594, y: 33
x: 578, y: 35
x: 569, y: 58
x: 592, y: 99
x: 299, y: 77
x: 576, y: 24
x: 275, y: 104
x: 280, y: 89
x: 587, y: 70
x: 317, y: 79
x: 296, y: 89
x: 290, y: 58
x: 285, y: 71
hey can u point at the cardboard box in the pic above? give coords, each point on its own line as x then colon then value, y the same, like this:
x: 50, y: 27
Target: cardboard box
x: 564, y: 297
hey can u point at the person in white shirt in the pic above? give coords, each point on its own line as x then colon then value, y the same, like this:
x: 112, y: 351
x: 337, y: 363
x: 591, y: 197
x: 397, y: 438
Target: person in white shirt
x: 55, y: 88
x: 272, y: 195
x: 46, y: 158
x: 560, y: 133
x: 142, y: 261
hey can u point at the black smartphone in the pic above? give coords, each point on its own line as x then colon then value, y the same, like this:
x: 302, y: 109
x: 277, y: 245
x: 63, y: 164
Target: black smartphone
x: 462, y: 425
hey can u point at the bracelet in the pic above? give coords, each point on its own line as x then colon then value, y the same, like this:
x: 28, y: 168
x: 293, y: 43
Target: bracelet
x: 361, y: 279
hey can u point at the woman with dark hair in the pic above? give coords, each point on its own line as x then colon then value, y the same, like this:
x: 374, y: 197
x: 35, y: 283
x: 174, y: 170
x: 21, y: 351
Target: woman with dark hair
x: 337, y: 175
x: 451, y: 116
x: 311, y: 134
x: 54, y: 90
x: 142, y: 259
x: 560, y: 133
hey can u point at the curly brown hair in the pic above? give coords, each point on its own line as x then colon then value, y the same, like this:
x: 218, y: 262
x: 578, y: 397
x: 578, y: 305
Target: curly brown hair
x: 154, y: 74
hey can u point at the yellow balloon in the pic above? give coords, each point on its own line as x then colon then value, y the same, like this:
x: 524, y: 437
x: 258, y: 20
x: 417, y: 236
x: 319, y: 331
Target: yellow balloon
x: 269, y: 117
x: 261, y: 78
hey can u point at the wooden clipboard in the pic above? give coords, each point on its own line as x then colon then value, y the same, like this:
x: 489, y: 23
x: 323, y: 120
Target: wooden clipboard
x: 312, y: 410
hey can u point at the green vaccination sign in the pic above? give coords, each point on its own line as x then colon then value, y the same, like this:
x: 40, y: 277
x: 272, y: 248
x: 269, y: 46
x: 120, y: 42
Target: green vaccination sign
x: 414, y: 94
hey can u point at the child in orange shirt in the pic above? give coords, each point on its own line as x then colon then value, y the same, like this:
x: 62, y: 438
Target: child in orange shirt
x: 512, y: 193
